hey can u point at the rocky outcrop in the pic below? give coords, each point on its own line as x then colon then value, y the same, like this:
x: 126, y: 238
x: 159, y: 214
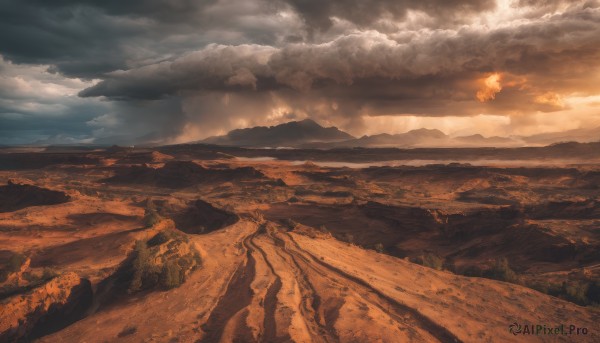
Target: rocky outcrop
x: 15, y: 196
x: 45, y: 309
x: 202, y: 217
x: 23, y: 161
x: 181, y: 174
x: 588, y: 209
x: 162, y: 262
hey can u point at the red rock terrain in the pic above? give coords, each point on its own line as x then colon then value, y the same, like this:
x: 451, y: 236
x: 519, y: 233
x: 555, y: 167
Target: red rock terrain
x: 149, y: 248
x: 46, y: 308
x: 15, y: 197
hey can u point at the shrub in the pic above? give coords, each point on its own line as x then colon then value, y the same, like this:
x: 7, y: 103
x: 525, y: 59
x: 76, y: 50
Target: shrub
x: 450, y: 265
x: 290, y: 223
x: 146, y: 274
x: 151, y: 276
x: 151, y: 218
x: 49, y: 273
x: 171, y: 275
x: 593, y: 293
x: 141, y: 254
x: 576, y: 292
x: 502, y: 271
x: 162, y: 237
x: 140, y: 263
x: 473, y: 271
x: 15, y: 262
x: 13, y: 265
x: 348, y: 238
x: 432, y: 261
x: 30, y: 277
x: 379, y: 248
x: 136, y: 283
x: 547, y: 287
x: 582, y: 292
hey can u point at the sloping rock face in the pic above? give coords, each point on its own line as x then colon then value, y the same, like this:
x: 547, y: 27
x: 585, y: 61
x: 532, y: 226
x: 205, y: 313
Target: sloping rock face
x: 477, y: 234
x: 202, y: 217
x: 181, y: 174
x: 588, y: 209
x: 45, y: 309
x: 14, y: 197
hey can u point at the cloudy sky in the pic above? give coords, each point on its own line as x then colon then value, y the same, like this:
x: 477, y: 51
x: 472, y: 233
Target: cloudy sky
x: 172, y: 71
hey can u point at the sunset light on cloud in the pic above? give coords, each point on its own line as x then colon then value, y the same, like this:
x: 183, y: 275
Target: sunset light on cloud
x: 491, y: 86
x: 166, y: 75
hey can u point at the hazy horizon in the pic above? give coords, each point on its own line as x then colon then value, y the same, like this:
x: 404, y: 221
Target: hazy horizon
x: 587, y: 135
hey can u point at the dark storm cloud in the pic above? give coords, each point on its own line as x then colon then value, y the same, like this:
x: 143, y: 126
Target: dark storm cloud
x: 87, y: 39
x: 544, y: 4
x: 216, y: 67
x: 419, y: 69
x: 172, y: 10
x: 78, y: 41
x: 183, y: 68
x: 35, y: 105
x: 318, y: 13
x: 90, y: 38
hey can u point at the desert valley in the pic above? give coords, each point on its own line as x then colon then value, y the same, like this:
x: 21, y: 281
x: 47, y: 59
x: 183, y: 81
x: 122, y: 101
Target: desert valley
x: 207, y: 243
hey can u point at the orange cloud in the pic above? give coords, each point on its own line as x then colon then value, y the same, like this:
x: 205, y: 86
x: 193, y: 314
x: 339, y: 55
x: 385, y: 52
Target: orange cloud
x: 491, y: 86
x: 551, y: 99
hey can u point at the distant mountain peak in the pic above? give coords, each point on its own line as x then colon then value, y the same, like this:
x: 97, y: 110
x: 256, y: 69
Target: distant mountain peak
x: 424, y: 129
x: 410, y: 138
x: 430, y: 133
x: 306, y: 121
x: 308, y: 133
x: 294, y: 133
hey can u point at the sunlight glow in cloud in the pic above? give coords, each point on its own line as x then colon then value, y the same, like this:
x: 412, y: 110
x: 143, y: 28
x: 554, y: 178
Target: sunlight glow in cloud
x: 491, y: 86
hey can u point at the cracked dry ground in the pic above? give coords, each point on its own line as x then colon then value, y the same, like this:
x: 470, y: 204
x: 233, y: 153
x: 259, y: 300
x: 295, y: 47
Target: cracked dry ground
x: 260, y: 282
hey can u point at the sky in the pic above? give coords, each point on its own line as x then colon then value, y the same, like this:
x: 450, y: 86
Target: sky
x: 172, y: 71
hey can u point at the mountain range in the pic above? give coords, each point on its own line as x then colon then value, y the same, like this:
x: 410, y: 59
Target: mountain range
x: 291, y: 134
x: 309, y: 134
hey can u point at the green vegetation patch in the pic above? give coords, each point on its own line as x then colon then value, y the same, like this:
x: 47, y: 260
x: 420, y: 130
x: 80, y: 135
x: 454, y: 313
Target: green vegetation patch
x: 162, y: 262
x: 13, y: 265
